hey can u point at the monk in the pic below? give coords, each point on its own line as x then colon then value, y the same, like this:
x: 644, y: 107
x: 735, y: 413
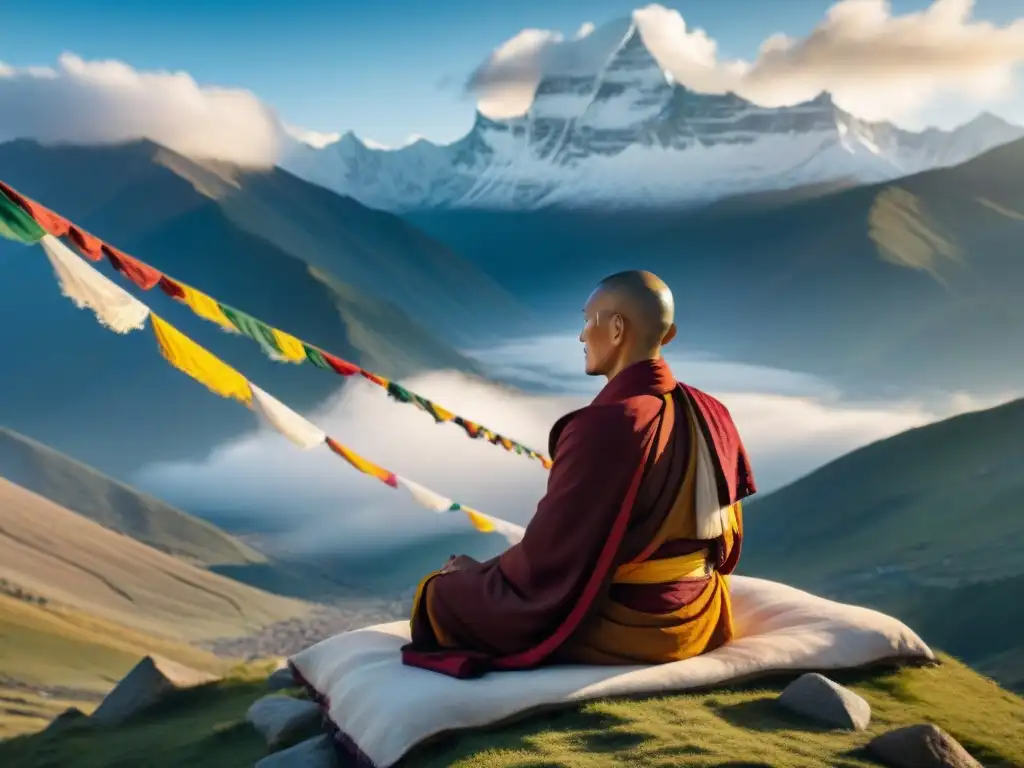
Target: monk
x: 625, y: 559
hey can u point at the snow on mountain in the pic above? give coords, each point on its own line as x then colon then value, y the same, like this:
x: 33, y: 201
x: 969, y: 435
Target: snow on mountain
x: 609, y: 128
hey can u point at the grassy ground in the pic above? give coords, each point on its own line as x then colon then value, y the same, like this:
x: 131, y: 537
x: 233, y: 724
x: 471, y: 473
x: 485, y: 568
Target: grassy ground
x: 205, y: 728
x: 52, y: 658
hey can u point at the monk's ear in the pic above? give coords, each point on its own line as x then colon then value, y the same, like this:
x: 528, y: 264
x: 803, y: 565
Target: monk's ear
x: 671, y: 334
x: 618, y: 327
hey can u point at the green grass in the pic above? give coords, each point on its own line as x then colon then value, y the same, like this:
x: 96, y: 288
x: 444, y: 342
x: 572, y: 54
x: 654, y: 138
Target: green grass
x: 71, y: 657
x: 205, y: 728
x: 61, y: 647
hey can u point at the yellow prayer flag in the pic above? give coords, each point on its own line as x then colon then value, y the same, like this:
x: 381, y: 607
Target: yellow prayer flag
x: 365, y: 466
x: 205, y: 307
x: 188, y: 357
x: 291, y: 348
x: 479, y: 521
x: 442, y: 413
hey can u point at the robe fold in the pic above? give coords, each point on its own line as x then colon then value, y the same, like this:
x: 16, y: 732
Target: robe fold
x: 609, y: 569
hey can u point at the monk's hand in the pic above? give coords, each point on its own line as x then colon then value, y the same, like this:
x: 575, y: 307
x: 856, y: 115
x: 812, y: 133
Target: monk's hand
x: 457, y: 563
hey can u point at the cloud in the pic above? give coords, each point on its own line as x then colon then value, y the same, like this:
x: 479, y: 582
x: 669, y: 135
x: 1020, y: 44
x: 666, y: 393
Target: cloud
x: 790, y: 423
x: 876, y: 64
x: 92, y: 102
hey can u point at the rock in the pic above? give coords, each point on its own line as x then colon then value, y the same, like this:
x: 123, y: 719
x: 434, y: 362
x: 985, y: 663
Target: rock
x: 920, y: 746
x: 149, y: 681
x: 312, y: 753
x: 817, y: 697
x: 68, y: 716
x: 281, y: 679
x: 279, y: 718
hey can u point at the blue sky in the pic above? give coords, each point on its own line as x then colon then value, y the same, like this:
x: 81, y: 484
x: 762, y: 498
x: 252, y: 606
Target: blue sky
x: 383, y: 69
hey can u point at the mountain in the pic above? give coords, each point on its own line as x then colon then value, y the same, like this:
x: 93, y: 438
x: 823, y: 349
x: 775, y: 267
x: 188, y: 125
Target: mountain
x: 609, y: 128
x: 116, y: 506
x: 927, y: 525
x: 53, y: 553
x: 80, y: 603
x: 363, y: 284
x: 895, y: 289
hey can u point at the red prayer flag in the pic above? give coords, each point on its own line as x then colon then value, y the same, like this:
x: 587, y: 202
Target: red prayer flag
x: 139, y: 273
x: 171, y: 288
x: 90, y: 246
x: 54, y: 224
x: 342, y: 367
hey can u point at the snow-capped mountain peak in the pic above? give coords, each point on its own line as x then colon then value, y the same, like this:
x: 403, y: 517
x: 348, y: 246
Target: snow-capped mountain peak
x: 608, y: 127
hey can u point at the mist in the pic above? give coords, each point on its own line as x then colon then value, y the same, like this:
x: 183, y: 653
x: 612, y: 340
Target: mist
x: 790, y: 422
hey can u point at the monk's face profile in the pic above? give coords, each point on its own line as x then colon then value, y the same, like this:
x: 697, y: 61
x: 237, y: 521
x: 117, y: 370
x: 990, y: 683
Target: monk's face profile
x: 603, y: 335
x: 627, y: 318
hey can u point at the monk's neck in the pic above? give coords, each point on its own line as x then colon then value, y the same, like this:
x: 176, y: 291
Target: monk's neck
x: 630, y: 362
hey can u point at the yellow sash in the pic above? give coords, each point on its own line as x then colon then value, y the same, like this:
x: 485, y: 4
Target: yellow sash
x: 663, y: 571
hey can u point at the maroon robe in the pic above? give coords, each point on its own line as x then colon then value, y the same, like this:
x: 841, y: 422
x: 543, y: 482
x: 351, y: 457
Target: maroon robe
x: 617, y: 469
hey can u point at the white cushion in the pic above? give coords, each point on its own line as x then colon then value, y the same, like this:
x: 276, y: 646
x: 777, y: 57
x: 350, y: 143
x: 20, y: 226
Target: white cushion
x: 385, y: 708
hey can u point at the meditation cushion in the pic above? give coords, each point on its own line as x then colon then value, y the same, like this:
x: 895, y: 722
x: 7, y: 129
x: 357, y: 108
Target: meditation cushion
x: 382, y: 709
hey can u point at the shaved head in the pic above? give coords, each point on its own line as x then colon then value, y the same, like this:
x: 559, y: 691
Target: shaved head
x: 643, y: 299
x: 627, y: 318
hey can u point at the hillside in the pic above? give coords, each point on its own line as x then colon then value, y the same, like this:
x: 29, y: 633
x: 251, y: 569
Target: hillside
x: 927, y: 525
x: 53, y: 657
x: 896, y: 288
x: 361, y: 283
x: 51, y: 552
x: 116, y: 506
x: 206, y: 728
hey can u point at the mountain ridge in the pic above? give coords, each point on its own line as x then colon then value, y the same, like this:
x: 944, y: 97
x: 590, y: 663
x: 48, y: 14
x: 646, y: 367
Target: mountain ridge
x: 65, y: 557
x: 608, y: 128
x: 116, y: 506
x: 924, y: 525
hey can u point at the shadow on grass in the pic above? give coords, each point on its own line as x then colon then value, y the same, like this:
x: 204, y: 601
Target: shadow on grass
x: 590, y: 730
x: 766, y: 715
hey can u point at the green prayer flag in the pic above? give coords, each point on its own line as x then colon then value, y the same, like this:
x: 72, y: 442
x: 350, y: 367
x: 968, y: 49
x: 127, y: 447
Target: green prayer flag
x: 16, y: 224
x: 400, y: 393
x: 316, y: 358
x: 261, y: 333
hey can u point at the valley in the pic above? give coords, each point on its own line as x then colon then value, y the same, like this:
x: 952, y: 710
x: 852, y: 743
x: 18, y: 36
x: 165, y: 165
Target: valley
x: 936, y: 252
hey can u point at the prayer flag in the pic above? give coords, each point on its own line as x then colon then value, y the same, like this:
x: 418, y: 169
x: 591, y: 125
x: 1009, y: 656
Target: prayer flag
x: 299, y: 430
x: 198, y: 302
x: 16, y: 224
x: 425, y: 496
x: 364, y: 466
x: 380, y: 381
x: 114, y: 307
x: 329, y: 362
x: 291, y: 348
x: 190, y: 358
x: 255, y: 329
x: 49, y: 221
x: 139, y: 273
